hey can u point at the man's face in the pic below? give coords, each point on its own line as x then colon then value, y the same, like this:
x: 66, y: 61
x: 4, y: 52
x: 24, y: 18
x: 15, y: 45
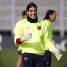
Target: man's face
x: 32, y: 13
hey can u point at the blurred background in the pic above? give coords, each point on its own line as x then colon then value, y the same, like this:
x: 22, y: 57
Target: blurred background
x: 10, y: 12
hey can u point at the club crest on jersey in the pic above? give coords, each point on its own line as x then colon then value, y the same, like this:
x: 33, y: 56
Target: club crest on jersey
x: 39, y: 27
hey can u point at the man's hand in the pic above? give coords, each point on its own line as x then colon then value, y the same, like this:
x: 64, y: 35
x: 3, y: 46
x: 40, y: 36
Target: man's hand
x: 57, y: 54
x: 26, y: 37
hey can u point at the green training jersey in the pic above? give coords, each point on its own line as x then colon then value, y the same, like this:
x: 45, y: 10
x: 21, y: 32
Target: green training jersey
x: 36, y: 45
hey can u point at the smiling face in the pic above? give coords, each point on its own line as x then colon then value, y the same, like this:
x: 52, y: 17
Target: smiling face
x: 32, y: 12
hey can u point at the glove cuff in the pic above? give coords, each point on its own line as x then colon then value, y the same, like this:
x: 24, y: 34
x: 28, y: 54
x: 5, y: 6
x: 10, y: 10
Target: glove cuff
x: 56, y: 51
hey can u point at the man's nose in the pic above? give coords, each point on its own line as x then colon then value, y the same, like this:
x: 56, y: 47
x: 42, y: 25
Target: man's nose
x: 33, y: 12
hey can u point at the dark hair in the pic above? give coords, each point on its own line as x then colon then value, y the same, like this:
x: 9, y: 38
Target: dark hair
x: 31, y: 5
x: 24, y: 13
x: 49, y: 12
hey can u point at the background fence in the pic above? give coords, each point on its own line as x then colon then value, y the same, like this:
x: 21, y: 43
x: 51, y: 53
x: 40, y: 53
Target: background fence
x: 10, y: 12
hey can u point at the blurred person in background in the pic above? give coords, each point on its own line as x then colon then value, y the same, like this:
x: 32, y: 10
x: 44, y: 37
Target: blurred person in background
x: 31, y: 35
x: 0, y: 42
x: 19, y: 61
x: 49, y: 18
x: 24, y: 14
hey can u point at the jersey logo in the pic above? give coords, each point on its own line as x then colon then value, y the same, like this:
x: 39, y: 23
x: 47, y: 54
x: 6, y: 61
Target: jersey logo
x: 39, y: 27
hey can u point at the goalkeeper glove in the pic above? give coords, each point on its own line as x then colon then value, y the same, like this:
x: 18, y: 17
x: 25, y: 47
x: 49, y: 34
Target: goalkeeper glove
x: 57, y: 54
x: 26, y: 37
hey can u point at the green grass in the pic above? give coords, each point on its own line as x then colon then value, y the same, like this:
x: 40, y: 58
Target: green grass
x: 61, y: 63
x: 8, y: 58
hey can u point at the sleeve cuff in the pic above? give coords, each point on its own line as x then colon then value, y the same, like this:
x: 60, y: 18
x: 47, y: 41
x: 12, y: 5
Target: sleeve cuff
x: 18, y: 41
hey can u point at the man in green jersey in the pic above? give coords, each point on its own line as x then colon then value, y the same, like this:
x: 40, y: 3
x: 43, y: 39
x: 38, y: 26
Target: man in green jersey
x: 31, y: 36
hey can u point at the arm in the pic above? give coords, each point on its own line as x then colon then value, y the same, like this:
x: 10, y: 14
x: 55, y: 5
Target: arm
x: 48, y: 41
x: 19, y: 34
x: 47, y: 36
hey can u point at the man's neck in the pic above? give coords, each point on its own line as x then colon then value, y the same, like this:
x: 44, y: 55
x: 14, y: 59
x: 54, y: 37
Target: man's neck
x: 32, y: 20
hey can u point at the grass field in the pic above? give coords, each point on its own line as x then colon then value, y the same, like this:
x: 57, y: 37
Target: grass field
x: 8, y: 58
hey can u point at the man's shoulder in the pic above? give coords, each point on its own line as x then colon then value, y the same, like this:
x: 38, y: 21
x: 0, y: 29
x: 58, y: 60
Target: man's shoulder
x: 22, y: 20
x: 39, y: 21
x: 44, y: 21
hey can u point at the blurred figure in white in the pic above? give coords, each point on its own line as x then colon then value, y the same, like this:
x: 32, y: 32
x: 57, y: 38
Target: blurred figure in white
x: 0, y: 42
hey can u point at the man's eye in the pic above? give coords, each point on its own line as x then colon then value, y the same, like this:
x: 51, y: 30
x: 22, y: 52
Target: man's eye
x: 31, y: 10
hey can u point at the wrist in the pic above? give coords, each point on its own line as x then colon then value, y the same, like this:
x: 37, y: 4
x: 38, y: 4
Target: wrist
x: 56, y: 51
x: 18, y: 41
x: 22, y: 39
